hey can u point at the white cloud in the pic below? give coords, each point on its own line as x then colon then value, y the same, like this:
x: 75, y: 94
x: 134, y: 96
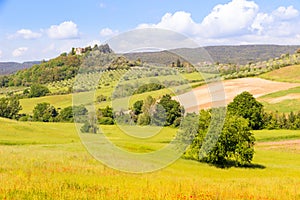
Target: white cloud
x: 223, y: 20
x: 180, y: 22
x: 261, y: 20
x: 107, y: 32
x: 19, y: 51
x: 229, y: 19
x: 279, y: 23
x: 65, y: 30
x: 25, y: 34
x: 235, y: 21
x: 1, y: 53
x: 285, y: 13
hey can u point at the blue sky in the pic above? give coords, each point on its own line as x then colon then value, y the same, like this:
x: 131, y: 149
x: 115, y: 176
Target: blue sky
x: 36, y: 30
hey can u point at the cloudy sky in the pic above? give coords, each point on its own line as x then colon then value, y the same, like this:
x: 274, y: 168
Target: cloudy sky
x: 36, y: 30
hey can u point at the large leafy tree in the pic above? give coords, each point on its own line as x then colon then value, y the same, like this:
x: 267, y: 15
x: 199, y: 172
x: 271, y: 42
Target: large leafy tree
x: 67, y: 114
x: 172, y: 108
x: 234, y: 144
x: 246, y: 106
x: 44, y: 112
x: 9, y: 107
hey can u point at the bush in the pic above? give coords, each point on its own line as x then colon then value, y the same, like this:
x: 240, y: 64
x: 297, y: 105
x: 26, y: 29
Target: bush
x: 67, y: 114
x: 25, y: 118
x: 37, y: 90
x: 106, y: 121
x: 89, y: 128
x: 44, y: 112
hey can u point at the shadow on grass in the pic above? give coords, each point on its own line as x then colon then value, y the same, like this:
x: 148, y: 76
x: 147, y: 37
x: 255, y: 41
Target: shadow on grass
x: 230, y: 164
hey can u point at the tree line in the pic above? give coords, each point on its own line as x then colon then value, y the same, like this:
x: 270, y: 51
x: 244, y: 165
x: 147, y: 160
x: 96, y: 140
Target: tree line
x: 234, y: 143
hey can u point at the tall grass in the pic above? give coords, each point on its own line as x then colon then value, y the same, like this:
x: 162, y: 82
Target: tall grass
x: 58, y: 167
x: 287, y: 74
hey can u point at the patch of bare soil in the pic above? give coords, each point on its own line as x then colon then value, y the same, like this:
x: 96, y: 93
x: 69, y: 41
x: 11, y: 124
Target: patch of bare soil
x: 222, y: 93
x: 287, y: 145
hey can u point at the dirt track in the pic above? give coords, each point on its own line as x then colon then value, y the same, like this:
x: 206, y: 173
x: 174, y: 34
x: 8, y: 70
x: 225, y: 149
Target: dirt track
x: 287, y: 145
x: 219, y: 94
x: 280, y: 99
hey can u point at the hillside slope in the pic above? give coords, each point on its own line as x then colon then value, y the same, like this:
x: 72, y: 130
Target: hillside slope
x: 287, y: 74
x: 242, y: 54
x: 11, y: 67
x: 228, y: 90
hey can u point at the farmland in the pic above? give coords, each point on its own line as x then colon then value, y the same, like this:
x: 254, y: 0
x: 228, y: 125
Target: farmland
x: 48, y: 161
x: 43, y: 161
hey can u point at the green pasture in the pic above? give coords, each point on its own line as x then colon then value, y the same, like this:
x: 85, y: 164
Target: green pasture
x: 48, y: 161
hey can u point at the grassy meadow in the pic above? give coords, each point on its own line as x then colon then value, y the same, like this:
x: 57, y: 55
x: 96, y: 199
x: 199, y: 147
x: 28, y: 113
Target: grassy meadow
x: 286, y: 74
x: 283, y: 101
x: 287, y: 100
x: 48, y: 161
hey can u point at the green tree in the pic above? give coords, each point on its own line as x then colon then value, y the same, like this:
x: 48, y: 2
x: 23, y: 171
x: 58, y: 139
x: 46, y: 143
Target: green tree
x: 9, y: 107
x: 235, y: 143
x: 101, y: 98
x: 173, y: 110
x: 37, y: 90
x: 143, y: 119
x: 67, y: 114
x: 44, y: 112
x: 178, y: 63
x: 90, y: 126
x: 246, y: 106
x: 105, y: 116
x: 105, y: 112
x: 137, y: 107
x: 136, y: 110
x: 147, y: 111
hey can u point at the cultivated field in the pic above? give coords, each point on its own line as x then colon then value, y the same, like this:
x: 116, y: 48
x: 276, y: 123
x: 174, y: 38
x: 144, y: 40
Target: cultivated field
x: 213, y: 94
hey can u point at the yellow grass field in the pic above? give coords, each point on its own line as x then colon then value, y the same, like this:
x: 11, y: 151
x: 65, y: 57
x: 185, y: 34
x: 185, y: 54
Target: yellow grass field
x: 286, y: 74
x: 48, y: 161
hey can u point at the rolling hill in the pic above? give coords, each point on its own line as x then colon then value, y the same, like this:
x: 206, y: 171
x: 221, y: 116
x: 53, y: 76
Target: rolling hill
x: 286, y: 74
x: 242, y: 54
x: 11, y: 67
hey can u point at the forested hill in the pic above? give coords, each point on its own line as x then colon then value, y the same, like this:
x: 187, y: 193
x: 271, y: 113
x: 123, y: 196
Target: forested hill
x: 242, y: 54
x: 65, y: 66
x: 245, y: 54
x: 11, y: 67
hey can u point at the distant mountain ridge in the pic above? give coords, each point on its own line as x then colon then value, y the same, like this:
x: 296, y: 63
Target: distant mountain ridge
x: 241, y: 54
x: 11, y: 67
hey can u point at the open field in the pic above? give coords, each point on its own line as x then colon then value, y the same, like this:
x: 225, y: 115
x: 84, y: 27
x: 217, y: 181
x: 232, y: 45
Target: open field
x: 208, y: 94
x: 48, y: 162
x: 286, y: 74
x: 197, y: 98
x: 59, y: 101
x: 283, y: 101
